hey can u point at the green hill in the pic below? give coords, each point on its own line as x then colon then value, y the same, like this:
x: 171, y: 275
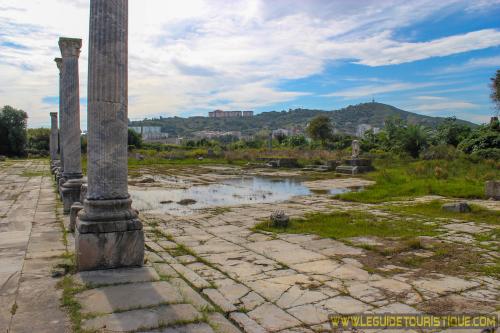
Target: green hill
x: 346, y: 120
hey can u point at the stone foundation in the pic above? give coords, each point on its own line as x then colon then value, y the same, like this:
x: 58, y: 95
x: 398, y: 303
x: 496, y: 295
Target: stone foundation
x: 104, y: 250
x: 355, y: 166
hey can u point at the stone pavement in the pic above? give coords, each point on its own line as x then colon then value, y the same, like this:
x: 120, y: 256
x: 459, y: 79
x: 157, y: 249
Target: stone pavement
x: 291, y: 282
x: 210, y: 272
x: 31, y: 244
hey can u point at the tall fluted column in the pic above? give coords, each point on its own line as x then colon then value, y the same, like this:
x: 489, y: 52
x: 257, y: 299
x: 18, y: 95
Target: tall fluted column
x: 54, y: 134
x: 108, y: 231
x: 59, y: 167
x: 72, y: 173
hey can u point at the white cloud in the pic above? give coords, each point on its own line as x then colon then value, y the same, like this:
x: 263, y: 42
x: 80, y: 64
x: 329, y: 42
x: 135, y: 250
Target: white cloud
x: 474, y: 63
x: 370, y: 90
x: 461, y: 105
x: 199, y: 54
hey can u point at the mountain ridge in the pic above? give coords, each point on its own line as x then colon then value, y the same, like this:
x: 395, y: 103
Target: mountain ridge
x: 345, y: 120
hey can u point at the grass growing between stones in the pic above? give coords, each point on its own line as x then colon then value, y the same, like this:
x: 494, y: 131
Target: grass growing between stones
x: 400, y: 180
x: 339, y: 224
x: 69, y: 302
x: 433, y: 210
x: 29, y: 174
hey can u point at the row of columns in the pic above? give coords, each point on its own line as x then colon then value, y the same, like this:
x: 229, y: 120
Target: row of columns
x: 108, y: 232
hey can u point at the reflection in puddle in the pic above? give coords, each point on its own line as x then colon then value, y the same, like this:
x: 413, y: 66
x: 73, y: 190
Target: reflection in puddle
x: 230, y: 192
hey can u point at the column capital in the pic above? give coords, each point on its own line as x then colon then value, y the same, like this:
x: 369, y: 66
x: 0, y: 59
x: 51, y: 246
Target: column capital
x: 53, y: 114
x: 70, y: 47
x: 58, y: 64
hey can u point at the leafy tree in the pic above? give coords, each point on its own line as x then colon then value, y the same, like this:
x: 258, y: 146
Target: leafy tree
x: 483, y: 141
x: 296, y: 141
x: 281, y: 137
x: 451, y: 132
x: 320, y: 128
x: 415, y: 139
x: 12, y: 131
x: 38, y: 139
x: 134, y: 139
x: 495, y: 91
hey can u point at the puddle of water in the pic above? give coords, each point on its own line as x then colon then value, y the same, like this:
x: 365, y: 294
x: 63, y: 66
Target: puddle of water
x: 230, y: 192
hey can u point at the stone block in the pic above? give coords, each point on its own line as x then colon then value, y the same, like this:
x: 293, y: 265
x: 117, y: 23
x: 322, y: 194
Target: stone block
x: 125, y: 296
x: 73, y: 213
x: 115, y: 276
x: 456, y: 207
x: 109, y: 249
x: 492, y: 189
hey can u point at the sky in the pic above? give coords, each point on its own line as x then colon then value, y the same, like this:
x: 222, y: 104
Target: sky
x: 192, y: 56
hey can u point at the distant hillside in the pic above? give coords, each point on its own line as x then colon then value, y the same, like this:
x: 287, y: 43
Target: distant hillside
x: 346, y: 120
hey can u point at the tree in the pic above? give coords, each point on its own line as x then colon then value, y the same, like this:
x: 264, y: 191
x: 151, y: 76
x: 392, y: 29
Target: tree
x: 415, y: 139
x: 320, y: 128
x: 12, y: 131
x: 134, y: 139
x: 495, y: 91
x: 451, y: 132
x: 38, y: 139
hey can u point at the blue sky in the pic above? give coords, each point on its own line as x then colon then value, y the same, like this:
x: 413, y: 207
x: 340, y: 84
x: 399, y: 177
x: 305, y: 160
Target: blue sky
x: 192, y: 56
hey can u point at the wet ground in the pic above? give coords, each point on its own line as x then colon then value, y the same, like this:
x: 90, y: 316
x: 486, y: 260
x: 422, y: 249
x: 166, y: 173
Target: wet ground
x: 162, y: 198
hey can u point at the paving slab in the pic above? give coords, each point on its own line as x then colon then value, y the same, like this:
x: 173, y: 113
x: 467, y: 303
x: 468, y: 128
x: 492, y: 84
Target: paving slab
x: 272, y: 318
x: 116, y: 276
x: 128, y: 296
x: 144, y: 318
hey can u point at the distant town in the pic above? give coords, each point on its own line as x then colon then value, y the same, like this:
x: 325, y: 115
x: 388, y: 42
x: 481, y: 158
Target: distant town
x: 154, y: 134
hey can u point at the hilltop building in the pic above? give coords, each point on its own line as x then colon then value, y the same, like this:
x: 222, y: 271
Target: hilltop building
x: 362, y: 128
x: 229, y: 114
x: 150, y: 133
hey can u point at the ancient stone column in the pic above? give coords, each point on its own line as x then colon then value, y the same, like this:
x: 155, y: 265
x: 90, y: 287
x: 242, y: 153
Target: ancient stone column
x: 58, y: 167
x: 54, y: 136
x: 108, y: 232
x: 72, y: 173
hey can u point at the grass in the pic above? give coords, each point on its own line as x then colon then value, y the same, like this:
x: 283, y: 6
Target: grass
x: 27, y: 173
x: 403, y: 180
x: 340, y: 225
x: 132, y: 162
x: 69, y: 302
x: 433, y: 210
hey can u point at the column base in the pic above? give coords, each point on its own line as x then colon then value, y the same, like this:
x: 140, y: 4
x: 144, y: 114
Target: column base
x: 107, y: 250
x: 108, y: 234
x: 70, y: 193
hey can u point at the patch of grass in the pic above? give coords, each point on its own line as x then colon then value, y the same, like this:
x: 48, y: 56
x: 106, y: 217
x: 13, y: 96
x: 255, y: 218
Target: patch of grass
x: 340, y: 225
x: 220, y: 210
x: 132, y: 162
x: 29, y: 174
x: 13, y: 309
x: 433, y: 209
x: 403, y: 180
x: 68, y: 302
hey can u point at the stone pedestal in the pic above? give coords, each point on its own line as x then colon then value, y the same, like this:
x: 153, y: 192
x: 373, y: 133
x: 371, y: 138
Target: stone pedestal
x: 492, y: 189
x: 108, y: 231
x: 72, y: 173
x: 354, y: 166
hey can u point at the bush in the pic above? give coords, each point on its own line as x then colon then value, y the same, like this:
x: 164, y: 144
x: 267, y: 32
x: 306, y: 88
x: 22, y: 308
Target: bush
x: 482, y: 138
x: 440, y: 152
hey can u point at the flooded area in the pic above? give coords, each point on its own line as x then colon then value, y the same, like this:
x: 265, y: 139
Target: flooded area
x: 227, y: 192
